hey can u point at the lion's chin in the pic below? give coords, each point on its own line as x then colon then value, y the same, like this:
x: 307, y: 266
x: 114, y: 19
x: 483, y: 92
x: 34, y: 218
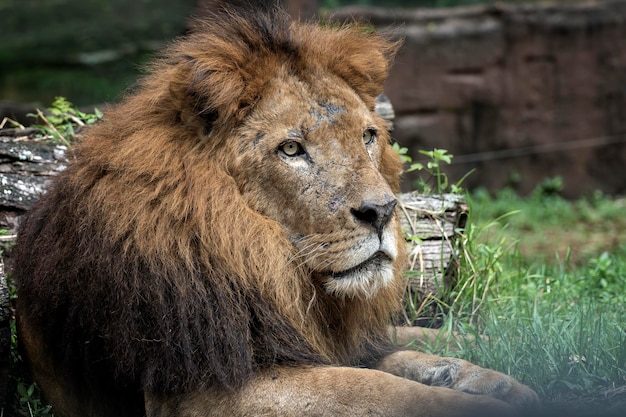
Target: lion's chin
x: 363, y: 280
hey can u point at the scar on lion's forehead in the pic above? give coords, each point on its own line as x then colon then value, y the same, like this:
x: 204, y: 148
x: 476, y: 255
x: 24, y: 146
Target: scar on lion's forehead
x: 259, y: 136
x: 332, y: 109
x: 325, y: 112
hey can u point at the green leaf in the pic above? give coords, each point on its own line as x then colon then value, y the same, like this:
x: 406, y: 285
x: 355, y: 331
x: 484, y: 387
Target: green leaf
x: 415, y: 167
x: 21, y: 389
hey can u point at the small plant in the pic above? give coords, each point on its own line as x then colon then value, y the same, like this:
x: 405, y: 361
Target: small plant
x: 63, y: 120
x: 30, y: 402
x: 549, y: 187
x: 432, y: 169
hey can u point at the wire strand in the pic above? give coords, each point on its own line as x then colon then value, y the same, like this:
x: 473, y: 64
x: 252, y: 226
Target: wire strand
x: 537, y: 149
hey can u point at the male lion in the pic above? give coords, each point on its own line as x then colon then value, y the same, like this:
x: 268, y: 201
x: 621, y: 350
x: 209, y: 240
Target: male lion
x: 227, y: 243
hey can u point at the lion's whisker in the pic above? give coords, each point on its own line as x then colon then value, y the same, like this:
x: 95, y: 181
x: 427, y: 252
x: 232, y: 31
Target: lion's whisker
x: 309, y: 257
x: 305, y: 251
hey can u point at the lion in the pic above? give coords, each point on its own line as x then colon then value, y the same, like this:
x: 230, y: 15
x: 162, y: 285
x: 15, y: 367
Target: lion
x: 227, y: 242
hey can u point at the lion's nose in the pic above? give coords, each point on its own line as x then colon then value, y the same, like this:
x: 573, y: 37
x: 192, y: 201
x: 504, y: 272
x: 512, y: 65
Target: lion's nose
x: 374, y: 214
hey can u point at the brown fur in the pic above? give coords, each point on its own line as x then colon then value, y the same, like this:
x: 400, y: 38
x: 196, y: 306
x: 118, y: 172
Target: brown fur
x: 183, y: 250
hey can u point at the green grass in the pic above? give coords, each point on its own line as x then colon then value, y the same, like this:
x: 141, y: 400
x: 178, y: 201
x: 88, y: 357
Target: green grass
x: 551, y: 229
x: 542, y: 296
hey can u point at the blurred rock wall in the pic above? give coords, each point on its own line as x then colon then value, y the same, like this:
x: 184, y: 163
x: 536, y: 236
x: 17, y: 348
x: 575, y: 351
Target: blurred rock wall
x: 519, y: 93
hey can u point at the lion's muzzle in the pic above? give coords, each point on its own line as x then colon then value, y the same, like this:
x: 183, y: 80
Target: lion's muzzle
x: 374, y: 272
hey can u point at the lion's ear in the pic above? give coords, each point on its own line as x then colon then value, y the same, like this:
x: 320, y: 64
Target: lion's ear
x: 363, y: 59
x: 205, y: 92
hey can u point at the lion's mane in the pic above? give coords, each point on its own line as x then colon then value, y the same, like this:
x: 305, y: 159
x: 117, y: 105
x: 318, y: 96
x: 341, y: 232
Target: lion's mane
x: 144, y: 266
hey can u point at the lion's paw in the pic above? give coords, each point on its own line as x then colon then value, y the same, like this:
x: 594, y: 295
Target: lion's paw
x: 500, y: 386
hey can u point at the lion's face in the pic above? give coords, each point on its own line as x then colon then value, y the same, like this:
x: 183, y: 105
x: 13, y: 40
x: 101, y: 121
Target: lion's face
x: 309, y: 159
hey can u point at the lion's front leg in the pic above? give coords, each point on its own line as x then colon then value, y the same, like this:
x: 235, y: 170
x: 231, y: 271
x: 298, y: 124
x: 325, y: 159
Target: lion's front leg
x: 326, y: 392
x: 459, y: 375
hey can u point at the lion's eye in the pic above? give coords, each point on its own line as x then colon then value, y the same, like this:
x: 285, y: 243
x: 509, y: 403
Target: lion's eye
x: 291, y: 148
x: 369, y: 136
